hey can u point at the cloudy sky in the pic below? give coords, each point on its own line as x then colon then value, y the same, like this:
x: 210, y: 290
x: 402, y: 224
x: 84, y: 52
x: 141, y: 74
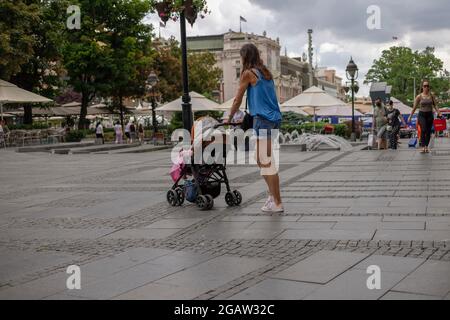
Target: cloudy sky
x: 340, y: 27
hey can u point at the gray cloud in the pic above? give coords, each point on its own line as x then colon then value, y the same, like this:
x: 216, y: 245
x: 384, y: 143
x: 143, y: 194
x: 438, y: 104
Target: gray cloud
x: 347, y: 19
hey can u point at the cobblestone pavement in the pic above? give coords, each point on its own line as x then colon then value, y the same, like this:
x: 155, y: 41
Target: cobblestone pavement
x: 344, y: 212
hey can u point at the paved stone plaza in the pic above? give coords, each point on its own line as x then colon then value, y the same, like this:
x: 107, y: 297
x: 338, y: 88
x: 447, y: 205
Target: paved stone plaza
x: 345, y: 211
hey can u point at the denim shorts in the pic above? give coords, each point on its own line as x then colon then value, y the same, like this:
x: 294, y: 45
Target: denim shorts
x: 263, y: 127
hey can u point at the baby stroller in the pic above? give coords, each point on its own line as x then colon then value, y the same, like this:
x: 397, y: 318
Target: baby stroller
x: 202, y: 183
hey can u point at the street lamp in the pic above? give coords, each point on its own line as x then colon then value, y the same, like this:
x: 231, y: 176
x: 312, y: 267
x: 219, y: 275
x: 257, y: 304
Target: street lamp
x: 152, y: 81
x: 352, y: 74
x: 188, y: 12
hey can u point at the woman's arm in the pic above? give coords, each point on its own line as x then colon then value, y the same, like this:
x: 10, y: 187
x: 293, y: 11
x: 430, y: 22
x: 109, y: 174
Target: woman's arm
x: 436, y: 107
x: 416, y: 103
x: 246, y: 80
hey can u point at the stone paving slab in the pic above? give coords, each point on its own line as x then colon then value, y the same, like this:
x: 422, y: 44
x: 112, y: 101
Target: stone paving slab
x: 142, y: 233
x: 194, y: 281
x: 431, y: 278
x: 276, y: 289
x: 389, y: 207
x: 352, y: 286
x: 327, y: 234
x: 359, y: 225
x: 427, y: 235
x: 137, y: 276
x: 321, y: 267
x: 393, y: 295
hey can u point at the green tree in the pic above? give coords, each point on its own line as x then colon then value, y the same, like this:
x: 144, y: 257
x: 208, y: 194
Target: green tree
x: 87, y: 54
x: 131, y: 52
x: 30, y: 46
x: 17, y: 19
x: 399, y: 66
x: 204, y: 75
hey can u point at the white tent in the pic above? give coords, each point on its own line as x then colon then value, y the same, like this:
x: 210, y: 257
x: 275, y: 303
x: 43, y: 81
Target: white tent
x: 314, y: 98
x: 226, y: 106
x: 10, y: 93
x: 334, y: 111
x: 72, y: 104
x: 295, y: 110
x: 400, y: 106
x: 199, y: 103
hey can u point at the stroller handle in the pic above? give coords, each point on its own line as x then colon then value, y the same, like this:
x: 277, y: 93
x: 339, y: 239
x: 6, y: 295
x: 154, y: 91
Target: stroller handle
x: 227, y: 124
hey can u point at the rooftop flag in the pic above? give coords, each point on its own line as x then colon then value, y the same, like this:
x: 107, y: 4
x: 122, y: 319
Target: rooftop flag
x: 243, y: 19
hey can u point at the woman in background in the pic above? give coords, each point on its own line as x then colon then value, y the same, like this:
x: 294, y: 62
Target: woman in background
x: 426, y: 103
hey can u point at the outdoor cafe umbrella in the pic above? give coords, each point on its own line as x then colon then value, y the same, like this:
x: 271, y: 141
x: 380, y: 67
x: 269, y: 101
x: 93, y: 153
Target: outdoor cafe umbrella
x: 199, y: 103
x: 313, y: 97
x: 334, y: 111
x: 10, y: 93
x: 226, y: 106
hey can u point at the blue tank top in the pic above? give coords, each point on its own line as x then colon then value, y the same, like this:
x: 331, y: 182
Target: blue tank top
x: 262, y: 99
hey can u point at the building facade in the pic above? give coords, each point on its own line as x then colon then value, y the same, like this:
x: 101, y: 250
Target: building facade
x: 227, y: 47
x: 291, y: 75
x: 327, y: 80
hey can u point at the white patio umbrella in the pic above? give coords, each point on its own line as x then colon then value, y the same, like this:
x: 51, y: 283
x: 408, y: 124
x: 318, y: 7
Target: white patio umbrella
x: 72, y: 104
x: 314, y: 97
x: 400, y: 106
x: 10, y: 93
x: 199, y: 103
x: 336, y: 111
x: 226, y: 106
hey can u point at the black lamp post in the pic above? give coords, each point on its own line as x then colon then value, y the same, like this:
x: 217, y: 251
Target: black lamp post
x: 189, y: 12
x: 352, y: 74
x: 152, y: 81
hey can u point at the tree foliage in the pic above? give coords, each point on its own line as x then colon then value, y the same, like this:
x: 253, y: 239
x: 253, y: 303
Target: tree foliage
x: 30, y: 46
x: 399, y: 66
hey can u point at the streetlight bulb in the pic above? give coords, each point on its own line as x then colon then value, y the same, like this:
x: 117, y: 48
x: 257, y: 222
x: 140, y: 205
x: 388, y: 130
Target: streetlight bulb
x: 351, y: 69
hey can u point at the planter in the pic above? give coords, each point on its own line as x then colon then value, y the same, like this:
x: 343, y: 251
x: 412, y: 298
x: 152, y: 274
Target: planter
x: 163, y: 9
x: 190, y: 12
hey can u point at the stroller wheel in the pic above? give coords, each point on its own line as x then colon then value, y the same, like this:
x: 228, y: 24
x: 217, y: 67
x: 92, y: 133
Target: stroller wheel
x: 238, y: 198
x: 172, y: 198
x: 230, y: 199
x: 202, y: 202
x: 210, y: 201
x: 180, y: 196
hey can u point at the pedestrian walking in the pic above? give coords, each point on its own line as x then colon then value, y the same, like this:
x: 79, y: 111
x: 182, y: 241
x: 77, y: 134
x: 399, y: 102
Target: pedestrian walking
x: 118, y: 132
x: 448, y: 126
x: 141, y: 133
x: 395, y: 119
x: 379, y: 124
x: 99, y: 132
x: 132, y: 132
x: 263, y: 105
x: 426, y: 102
x: 127, y: 131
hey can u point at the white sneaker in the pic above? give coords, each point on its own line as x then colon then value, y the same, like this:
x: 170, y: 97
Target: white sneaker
x: 277, y: 209
x: 268, y: 201
x: 272, y: 208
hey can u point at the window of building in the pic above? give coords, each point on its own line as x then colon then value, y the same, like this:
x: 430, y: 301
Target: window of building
x: 238, y: 73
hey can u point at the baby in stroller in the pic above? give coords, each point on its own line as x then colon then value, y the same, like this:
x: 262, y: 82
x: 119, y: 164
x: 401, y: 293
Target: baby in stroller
x: 198, y: 175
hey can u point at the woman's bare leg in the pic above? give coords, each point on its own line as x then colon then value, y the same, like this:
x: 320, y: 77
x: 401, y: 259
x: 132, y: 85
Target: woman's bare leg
x: 264, y: 153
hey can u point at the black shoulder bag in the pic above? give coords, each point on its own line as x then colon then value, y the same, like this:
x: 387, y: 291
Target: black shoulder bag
x: 247, y: 122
